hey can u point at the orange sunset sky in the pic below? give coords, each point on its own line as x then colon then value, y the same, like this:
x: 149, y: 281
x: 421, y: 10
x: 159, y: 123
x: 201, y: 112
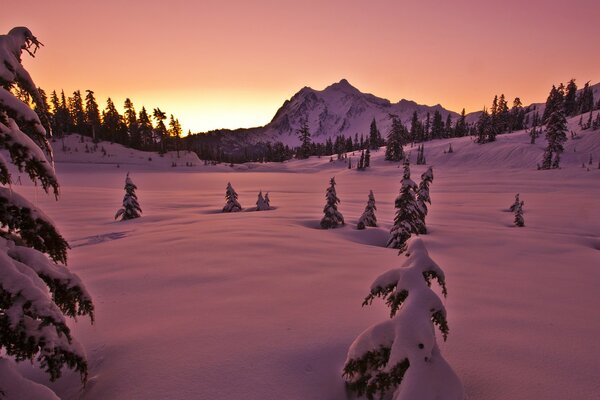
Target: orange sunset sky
x: 231, y: 64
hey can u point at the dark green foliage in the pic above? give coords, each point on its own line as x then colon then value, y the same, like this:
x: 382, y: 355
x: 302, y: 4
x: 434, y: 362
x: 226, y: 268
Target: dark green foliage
x: 305, y: 146
x: 430, y: 275
x: 363, y: 380
x: 31, y: 230
x: 394, y: 151
x: 375, y: 140
x: 439, y: 319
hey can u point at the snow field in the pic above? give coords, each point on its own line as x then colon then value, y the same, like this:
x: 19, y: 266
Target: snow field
x: 194, y: 303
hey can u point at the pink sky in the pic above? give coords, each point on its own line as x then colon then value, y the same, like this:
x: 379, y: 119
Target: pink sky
x: 232, y: 63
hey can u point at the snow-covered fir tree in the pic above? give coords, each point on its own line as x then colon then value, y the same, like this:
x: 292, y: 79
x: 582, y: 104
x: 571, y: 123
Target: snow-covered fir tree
x: 556, y: 135
x: 267, y: 201
x: 423, y: 198
x: 37, y: 291
x: 332, y: 218
x: 367, y: 163
x: 261, y: 203
x: 518, y: 210
x: 421, y: 155
x: 368, y: 217
x: 407, y: 217
x: 131, y: 208
x: 516, y: 203
x: 231, y: 200
x: 399, y: 359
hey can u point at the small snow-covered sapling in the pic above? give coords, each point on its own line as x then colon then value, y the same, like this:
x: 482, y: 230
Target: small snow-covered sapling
x: 332, y: 218
x: 516, y: 203
x: 131, y: 208
x: 368, y: 217
x: 519, y: 221
x: 231, y: 198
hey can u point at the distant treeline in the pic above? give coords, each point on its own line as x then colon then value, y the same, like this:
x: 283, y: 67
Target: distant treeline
x: 145, y: 130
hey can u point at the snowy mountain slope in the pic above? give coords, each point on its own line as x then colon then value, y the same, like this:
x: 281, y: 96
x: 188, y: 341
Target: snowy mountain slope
x: 339, y: 109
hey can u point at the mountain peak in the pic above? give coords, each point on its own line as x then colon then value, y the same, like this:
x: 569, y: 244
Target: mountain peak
x: 343, y: 86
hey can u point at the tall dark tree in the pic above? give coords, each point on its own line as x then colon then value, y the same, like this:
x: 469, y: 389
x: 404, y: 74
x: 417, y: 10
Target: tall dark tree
x: 92, y: 114
x: 131, y: 122
x: 77, y: 113
x: 305, y: 142
x: 113, y: 127
x: 556, y: 135
x: 437, y: 126
x: 585, y: 101
x: 461, y: 129
x: 374, y: 136
x: 161, y: 129
x: 570, y: 102
x: 394, y: 151
x: 145, y: 129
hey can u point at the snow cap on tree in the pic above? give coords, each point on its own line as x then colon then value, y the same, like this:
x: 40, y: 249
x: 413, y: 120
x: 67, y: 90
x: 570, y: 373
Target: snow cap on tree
x: 332, y: 218
x: 232, y: 204
x: 400, y: 359
x: 131, y: 208
x: 514, y: 205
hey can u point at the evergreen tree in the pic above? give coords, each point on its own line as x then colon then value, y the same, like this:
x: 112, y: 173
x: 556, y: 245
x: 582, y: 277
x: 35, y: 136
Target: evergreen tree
x: 368, y: 217
x: 484, y: 129
x: 519, y: 221
x: 332, y: 218
x: 113, y: 127
x: 92, y: 114
x: 131, y: 122
x: 517, y: 116
x: 417, y: 132
x: 374, y: 136
x: 585, y: 101
x: 448, y: 129
x: 231, y: 198
x: 175, y: 132
x: 570, y: 102
x: 261, y: 203
x: 37, y: 291
x: 77, y: 114
x: 556, y: 135
x: 161, y: 129
x: 514, y: 205
x: 394, y: 151
x: 145, y: 129
x: 407, y: 216
x: 437, y: 126
x: 399, y: 359
x: 305, y: 142
x: 554, y: 102
x: 267, y: 201
x: 461, y: 128
x: 423, y: 198
x: 367, y: 163
x: 361, y: 161
x: 131, y: 208
x: 534, y: 132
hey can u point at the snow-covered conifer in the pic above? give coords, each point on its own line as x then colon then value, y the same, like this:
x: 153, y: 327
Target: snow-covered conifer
x: 556, y: 135
x: 38, y: 292
x: 407, y: 216
x: 267, y: 201
x: 399, y: 359
x: 519, y: 221
x: 367, y: 163
x: 231, y: 198
x: 368, y: 217
x: 262, y: 203
x: 332, y: 218
x: 423, y: 198
x: 131, y: 208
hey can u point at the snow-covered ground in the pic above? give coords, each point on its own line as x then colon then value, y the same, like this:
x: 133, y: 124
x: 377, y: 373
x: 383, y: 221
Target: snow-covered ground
x: 196, y: 304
